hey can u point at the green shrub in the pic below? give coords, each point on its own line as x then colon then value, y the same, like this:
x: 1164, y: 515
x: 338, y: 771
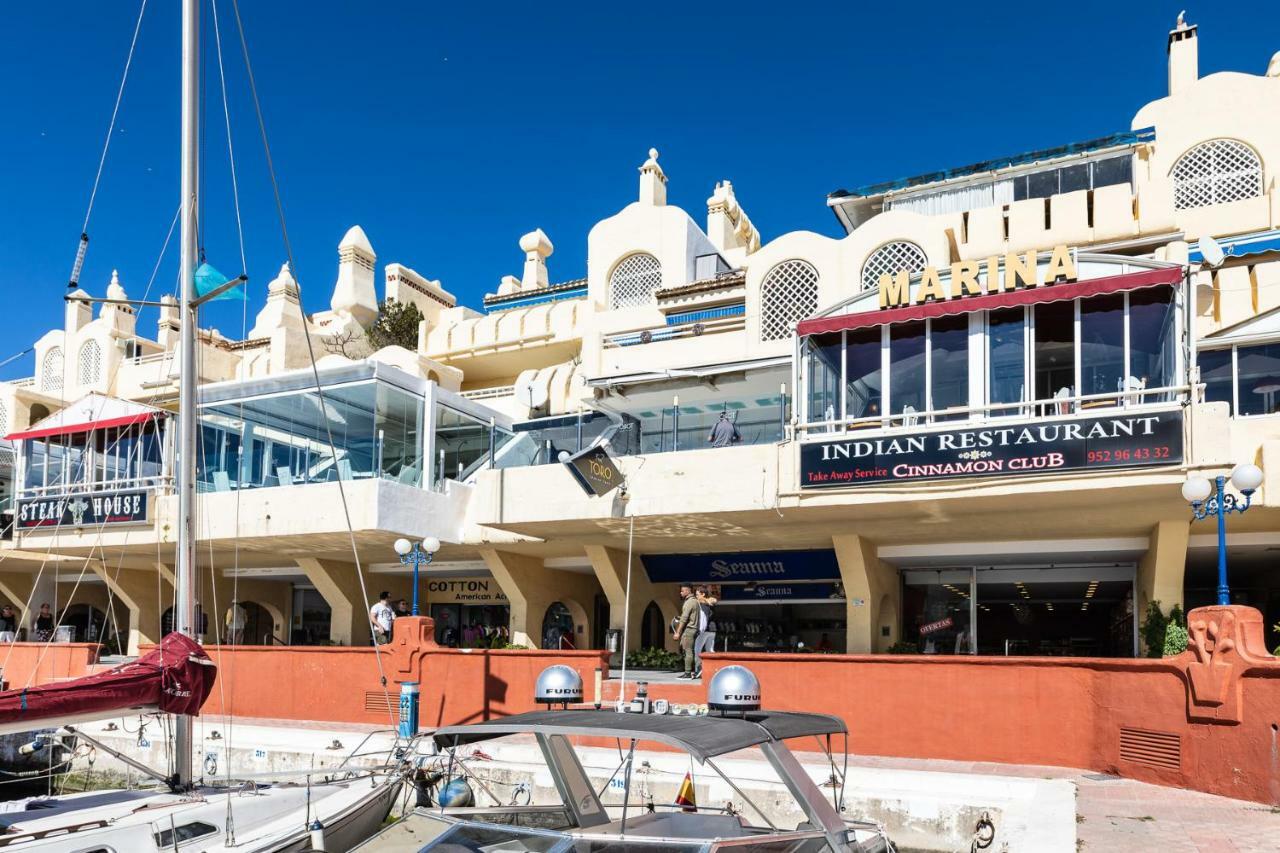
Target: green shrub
x: 654, y: 658
x: 901, y: 648
x: 1156, y: 626
x: 1175, y: 640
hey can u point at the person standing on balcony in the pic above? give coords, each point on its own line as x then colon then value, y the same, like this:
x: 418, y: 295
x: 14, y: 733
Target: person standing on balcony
x: 724, y: 432
x: 42, y: 625
x: 686, y: 632
x: 8, y: 624
x: 706, y: 641
x: 381, y: 616
x: 235, y: 620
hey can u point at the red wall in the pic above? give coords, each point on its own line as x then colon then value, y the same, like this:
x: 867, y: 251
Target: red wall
x: 49, y: 662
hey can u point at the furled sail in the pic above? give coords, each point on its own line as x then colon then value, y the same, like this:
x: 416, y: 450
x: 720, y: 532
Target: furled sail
x: 176, y: 677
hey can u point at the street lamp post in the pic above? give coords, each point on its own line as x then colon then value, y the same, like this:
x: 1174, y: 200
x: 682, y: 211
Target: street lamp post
x: 1208, y: 498
x: 411, y: 553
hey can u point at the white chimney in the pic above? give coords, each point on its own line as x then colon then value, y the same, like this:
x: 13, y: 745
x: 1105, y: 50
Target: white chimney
x: 537, y: 248
x: 354, y: 294
x: 653, y: 182
x: 1184, y: 61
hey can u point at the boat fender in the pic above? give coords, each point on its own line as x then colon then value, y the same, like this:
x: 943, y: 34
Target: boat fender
x: 317, y: 836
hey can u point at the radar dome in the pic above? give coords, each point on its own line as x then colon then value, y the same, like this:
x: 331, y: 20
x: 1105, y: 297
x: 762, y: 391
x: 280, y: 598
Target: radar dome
x: 734, y: 688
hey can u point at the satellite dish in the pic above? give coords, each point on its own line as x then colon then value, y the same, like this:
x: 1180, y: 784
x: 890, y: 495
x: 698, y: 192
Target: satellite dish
x: 531, y: 393
x: 1211, y: 252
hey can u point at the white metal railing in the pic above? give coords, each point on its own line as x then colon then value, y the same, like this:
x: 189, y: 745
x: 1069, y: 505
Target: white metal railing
x: 157, y: 481
x: 490, y: 393
x: 667, y: 333
x: 1079, y: 405
x: 153, y: 358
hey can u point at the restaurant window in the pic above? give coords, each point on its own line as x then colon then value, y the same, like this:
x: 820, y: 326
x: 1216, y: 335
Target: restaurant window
x: 1101, y: 347
x: 1152, y: 338
x: 907, y: 371
x: 1054, y: 353
x: 824, y: 378
x: 1006, y: 358
x: 949, y: 364
x: 863, y: 372
x: 1217, y: 372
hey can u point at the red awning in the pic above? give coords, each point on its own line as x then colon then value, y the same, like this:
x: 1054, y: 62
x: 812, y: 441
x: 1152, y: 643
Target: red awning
x: 88, y: 426
x: 1004, y: 299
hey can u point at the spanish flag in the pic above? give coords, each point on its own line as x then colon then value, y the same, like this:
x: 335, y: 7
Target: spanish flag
x: 686, y: 797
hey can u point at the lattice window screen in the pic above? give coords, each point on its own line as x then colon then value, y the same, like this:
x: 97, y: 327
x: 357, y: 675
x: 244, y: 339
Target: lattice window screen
x: 789, y: 294
x: 892, y: 258
x: 90, y: 362
x: 51, y: 370
x: 634, y: 280
x: 4, y: 419
x: 1216, y: 172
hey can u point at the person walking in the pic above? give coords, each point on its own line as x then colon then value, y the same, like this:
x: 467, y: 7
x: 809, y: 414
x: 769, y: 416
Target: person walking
x: 706, y: 641
x: 380, y: 617
x: 724, y: 432
x: 686, y: 632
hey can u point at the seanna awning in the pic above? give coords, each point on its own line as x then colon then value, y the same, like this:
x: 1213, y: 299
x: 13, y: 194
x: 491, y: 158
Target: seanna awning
x: 90, y: 413
x: 1005, y: 299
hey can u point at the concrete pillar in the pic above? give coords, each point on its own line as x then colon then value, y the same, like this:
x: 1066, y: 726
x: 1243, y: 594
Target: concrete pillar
x: 16, y: 587
x: 339, y: 584
x: 531, y: 588
x: 1162, y: 568
x: 873, y: 595
x: 610, y: 566
x: 145, y: 593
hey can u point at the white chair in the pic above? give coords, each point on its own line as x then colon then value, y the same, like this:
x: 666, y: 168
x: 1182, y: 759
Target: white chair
x: 221, y: 481
x: 1132, y: 387
x: 344, y: 469
x: 408, y: 475
x: 1062, y: 408
x: 909, y: 416
x: 284, y: 475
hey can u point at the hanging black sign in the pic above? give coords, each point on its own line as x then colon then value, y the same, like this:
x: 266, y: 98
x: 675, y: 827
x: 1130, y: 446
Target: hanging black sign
x: 595, y: 471
x: 996, y: 450
x: 83, y: 510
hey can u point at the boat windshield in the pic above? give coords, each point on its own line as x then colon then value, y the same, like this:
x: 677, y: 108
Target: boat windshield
x: 500, y: 839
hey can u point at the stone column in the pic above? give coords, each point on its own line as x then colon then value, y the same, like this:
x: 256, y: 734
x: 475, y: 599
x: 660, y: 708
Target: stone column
x: 610, y: 565
x: 145, y: 592
x: 339, y: 584
x: 531, y: 588
x: 877, y: 587
x: 1162, y: 568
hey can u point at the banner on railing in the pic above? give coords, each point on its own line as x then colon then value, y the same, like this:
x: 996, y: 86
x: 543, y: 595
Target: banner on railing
x: 996, y: 450
x: 83, y: 510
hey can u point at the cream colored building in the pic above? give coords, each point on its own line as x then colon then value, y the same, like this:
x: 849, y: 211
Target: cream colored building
x: 676, y: 322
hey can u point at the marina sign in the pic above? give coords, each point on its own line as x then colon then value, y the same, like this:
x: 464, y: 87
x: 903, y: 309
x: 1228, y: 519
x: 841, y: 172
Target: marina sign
x: 993, y: 449
x: 83, y: 510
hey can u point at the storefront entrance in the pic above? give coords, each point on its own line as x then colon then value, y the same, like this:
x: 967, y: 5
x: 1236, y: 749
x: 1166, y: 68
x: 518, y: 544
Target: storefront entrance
x: 1061, y: 611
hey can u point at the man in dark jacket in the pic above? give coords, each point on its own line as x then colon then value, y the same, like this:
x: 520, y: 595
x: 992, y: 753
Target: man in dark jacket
x: 686, y: 633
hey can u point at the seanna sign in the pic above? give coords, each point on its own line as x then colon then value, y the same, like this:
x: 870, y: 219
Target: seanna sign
x: 994, y: 449
x: 83, y: 510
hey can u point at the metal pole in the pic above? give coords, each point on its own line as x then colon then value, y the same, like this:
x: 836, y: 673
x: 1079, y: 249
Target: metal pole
x: 184, y: 579
x: 416, y: 556
x: 1224, y: 594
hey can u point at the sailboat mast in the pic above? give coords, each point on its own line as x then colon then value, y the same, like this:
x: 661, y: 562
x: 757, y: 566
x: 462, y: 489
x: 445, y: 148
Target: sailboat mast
x: 185, y: 574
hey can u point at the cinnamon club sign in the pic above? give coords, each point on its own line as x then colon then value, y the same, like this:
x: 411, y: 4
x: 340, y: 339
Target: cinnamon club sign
x: 996, y: 450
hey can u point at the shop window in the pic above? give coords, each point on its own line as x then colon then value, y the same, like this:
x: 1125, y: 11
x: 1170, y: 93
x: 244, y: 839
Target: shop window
x: 907, y: 371
x: 1054, y: 354
x: 949, y: 364
x: 634, y: 280
x: 892, y: 258
x: 1217, y: 372
x: 862, y: 367
x: 1006, y: 358
x: 789, y: 294
x: 1216, y: 172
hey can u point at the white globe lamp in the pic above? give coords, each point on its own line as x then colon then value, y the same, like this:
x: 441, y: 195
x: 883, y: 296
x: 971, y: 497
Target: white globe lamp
x: 1196, y: 489
x: 1246, y: 478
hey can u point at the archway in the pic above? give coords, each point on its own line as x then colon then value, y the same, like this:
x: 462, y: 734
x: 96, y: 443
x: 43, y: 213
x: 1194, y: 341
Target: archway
x: 652, y: 631
x: 201, y: 620
x: 557, y: 627
x: 88, y: 623
x: 256, y: 625
x: 38, y: 412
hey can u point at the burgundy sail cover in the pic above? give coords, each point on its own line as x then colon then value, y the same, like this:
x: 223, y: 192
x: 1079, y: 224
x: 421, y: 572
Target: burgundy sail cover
x: 176, y: 677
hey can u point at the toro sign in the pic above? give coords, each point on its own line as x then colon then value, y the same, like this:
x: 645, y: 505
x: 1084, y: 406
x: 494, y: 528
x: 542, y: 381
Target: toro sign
x: 595, y: 471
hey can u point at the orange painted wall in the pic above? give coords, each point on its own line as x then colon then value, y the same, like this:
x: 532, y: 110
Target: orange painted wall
x: 48, y: 662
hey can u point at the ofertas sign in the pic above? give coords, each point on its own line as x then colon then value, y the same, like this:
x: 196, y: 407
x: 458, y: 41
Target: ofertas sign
x: 742, y: 566
x: 1118, y: 441
x: 86, y: 510
x: 935, y: 627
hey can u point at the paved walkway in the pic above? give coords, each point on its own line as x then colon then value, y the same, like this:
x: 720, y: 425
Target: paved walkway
x: 1114, y: 814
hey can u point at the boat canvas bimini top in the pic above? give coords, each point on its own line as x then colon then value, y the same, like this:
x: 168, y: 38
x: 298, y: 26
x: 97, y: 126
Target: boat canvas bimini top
x: 580, y: 822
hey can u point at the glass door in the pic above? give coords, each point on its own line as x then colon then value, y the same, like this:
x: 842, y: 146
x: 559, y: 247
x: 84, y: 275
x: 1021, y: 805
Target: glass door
x: 1056, y: 611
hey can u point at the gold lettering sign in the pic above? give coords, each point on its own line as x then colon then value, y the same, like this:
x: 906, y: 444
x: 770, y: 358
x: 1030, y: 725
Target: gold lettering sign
x: 1018, y: 271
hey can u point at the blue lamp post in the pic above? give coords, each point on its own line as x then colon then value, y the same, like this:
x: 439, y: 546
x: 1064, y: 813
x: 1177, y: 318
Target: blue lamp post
x: 413, y: 554
x: 1208, y: 499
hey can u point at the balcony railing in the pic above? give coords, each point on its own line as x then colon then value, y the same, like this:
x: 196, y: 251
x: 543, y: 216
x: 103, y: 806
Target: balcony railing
x: 1063, y: 406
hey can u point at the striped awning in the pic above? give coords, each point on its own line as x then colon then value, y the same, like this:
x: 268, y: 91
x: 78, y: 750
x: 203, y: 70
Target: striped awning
x: 1242, y: 246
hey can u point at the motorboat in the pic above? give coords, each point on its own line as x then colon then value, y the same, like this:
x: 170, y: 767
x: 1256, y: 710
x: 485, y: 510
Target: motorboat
x: 580, y: 819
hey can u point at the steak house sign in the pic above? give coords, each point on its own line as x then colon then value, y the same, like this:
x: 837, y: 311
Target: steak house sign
x: 1119, y: 441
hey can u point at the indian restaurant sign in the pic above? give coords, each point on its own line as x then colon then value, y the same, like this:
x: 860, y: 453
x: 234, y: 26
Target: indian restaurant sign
x: 994, y: 450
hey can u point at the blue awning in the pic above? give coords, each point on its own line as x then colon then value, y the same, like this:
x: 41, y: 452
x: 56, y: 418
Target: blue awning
x: 1242, y: 246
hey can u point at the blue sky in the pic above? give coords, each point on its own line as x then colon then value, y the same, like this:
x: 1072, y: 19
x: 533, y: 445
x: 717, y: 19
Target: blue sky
x: 448, y: 130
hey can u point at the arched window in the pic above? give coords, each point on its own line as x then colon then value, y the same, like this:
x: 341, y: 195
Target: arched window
x: 892, y: 258
x: 90, y: 362
x: 51, y: 370
x: 634, y: 280
x: 1215, y: 172
x: 789, y: 294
